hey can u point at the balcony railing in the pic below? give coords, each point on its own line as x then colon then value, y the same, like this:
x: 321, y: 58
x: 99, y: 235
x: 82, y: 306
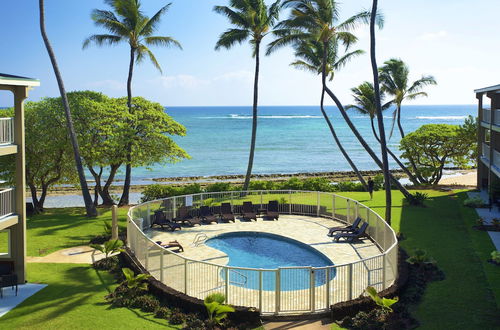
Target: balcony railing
x: 6, y: 130
x: 7, y: 199
x: 487, y: 116
x: 496, y: 156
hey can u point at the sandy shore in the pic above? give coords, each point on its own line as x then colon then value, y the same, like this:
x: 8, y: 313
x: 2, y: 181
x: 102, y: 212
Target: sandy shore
x: 464, y: 178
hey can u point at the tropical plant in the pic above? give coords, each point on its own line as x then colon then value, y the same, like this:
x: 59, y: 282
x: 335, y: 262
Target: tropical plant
x: 109, y: 247
x: 135, y: 282
x: 474, y: 202
x: 216, y: 309
x: 89, y: 205
x: 495, y: 256
x: 420, y: 258
x: 384, y: 303
x: 480, y: 221
x: 417, y: 199
x: 128, y: 24
x: 253, y: 21
x: 394, y: 77
x: 468, y: 132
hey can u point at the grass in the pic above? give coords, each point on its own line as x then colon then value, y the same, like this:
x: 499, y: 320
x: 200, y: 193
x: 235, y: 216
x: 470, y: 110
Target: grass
x: 58, y: 229
x: 74, y: 299
x: 467, y: 299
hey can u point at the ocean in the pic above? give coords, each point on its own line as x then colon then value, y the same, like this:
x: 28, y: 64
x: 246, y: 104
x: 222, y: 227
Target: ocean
x: 290, y: 139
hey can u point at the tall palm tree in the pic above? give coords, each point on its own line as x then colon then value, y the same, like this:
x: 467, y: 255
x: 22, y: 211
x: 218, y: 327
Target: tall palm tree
x: 127, y: 23
x: 394, y: 77
x: 380, y: 118
x: 364, y: 103
x: 89, y: 205
x: 253, y: 20
x: 309, y: 54
x: 319, y: 20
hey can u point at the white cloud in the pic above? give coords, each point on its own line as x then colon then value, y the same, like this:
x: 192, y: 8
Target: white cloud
x: 433, y: 35
x: 186, y: 81
x: 183, y: 81
x: 241, y: 75
x: 109, y: 84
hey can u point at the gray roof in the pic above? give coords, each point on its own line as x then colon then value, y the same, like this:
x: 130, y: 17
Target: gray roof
x: 495, y: 88
x: 11, y: 80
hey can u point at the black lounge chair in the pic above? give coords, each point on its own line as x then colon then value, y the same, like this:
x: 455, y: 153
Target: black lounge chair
x: 7, y: 276
x: 249, y: 211
x: 346, y: 229
x: 272, y: 211
x: 161, y: 220
x: 206, y: 215
x: 171, y: 244
x: 355, y: 235
x: 184, y: 216
x: 226, y: 214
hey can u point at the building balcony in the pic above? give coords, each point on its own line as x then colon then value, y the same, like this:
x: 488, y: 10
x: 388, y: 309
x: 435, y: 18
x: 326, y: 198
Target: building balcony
x: 8, y: 216
x: 7, y: 145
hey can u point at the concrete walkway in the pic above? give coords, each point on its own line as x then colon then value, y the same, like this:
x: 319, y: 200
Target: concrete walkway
x: 10, y: 300
x: 488, y: 215
x: 75, y: 255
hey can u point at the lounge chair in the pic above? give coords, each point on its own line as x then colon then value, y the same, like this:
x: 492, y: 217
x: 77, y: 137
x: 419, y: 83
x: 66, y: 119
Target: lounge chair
x: 346, y: 229
x: 7, y: 276
x: 161, y: 220
x: 272, y: 211
x: 249, y: 211
x: 171, y: 244
x: 207, y: 216
x: 226, y: 214
x: 355, y: 235
x: 184, y: 216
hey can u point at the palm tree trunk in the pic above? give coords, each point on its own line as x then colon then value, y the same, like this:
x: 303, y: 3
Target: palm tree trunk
x: 329, y: 123
x: 254, y: 119
x: 399, y: 121
x: 380, y: 118
x: 124, y: 200
x: 361, y: 140
x: 396, y: 159
x: 89, y: 205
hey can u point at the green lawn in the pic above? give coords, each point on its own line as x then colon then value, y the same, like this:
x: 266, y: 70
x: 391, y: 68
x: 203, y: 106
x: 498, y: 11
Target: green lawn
x: 74, y: 299
x: 57, y: 229
x: 467, y: 299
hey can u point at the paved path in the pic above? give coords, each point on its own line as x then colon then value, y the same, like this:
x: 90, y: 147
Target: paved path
x: 75, y: 255
x: 488, y: 215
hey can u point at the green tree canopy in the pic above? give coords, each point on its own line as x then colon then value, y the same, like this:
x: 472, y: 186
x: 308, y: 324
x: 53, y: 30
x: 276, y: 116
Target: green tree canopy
x: 434, y: 146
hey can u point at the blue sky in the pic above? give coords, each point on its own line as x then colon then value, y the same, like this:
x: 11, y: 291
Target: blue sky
x: 454, y: 40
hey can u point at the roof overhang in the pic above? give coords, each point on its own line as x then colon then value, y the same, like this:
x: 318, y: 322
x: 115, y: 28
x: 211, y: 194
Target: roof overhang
x: 494, y: 89
x: 10, y: 80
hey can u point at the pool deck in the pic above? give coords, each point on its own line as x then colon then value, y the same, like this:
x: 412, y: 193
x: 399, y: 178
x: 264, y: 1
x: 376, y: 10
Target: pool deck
x: 309, y: 230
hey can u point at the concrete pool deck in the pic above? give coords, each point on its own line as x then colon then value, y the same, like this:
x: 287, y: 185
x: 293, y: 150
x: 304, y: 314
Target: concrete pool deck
x: 310, y: 230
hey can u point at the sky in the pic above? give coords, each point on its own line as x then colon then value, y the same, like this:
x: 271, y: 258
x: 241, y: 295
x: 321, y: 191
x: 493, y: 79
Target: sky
x: 454, y: 40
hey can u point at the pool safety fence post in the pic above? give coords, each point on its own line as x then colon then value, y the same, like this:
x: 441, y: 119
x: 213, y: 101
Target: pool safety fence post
x: 148, y: 214
x: 312, y: 289
x: 146, y: 262
x: 226, y: 282
x: 174, y: 210
x: 327, y: 287
x: 161, y: 264
x: 260, y: 193
x: 278, y: 291
x: 318, y: 201
x: 333, y: 207
x: 232, y: 209
x: 349, y: 282
x: 201, y: 199
x: 289, y: 202
x: 357, y: 210
x: 348, y: 211
x: 384, y: 265
x: 260, y: 290
x: 185, y: 275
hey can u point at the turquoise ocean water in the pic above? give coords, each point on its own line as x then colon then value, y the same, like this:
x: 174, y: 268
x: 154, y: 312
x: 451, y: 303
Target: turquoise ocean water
x: 290, y: 139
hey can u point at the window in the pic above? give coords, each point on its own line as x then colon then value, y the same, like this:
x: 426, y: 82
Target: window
x: 5, y: 243
x: 487, y: 136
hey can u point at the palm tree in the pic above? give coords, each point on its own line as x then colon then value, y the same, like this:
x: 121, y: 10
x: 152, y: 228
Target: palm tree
x: 309, y: 54
x: 364, y: 103
x: 380, y: 118
x: 89, y: 205
x: 127, y: 23
x: 394, y: 77
x: 253, y: 20
x: 319, y: 20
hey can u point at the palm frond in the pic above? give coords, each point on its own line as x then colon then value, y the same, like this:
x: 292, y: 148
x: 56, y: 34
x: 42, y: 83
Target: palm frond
x: 229, y: 38
x: 234, y: 17
x: 162, y: 41
x: 102, y: 39
x: 153, y: 22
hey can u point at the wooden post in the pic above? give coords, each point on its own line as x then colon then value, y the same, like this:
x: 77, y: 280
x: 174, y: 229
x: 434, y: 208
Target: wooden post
x: 114, y: 222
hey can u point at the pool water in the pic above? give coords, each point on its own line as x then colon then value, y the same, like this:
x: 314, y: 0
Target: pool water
x: 269, y: 251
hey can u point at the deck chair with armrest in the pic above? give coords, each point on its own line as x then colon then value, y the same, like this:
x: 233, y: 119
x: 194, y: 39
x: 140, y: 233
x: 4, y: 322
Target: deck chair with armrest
x: 345, y: 229
x: 159, y: 219
x: 184, y: 216
x: 352, y: 236
x: 7, y: 276
x: 171, y: 244
x: 249, y: 211
x: 226, y: 213
x: 207, y: 216
x: 272, y: 211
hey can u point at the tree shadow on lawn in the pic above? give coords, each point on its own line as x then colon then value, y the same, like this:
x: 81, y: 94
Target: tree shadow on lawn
x: 443, y: 229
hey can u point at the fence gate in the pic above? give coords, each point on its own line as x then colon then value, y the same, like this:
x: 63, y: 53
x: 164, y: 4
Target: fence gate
x: 295, y: 289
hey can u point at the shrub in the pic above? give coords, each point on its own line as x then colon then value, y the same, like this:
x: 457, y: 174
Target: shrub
x: 373, y: 320
x: 216, y: 309
x: 350, y: 186
x: 262, y: 185
x: 219, y: 186
x: 384, y: 303
x: 148, y: 304
x: 110, y: 247
x: 162, y: 313
x: 123, y: 296
x: 495, y: 222
x: 194, y: 322
x: 474, y: 202
x: 317, y: 184
x: 135, y: 282
x: 417, y: 199
x: 495, y: 256
x: 420, y: 258
x: 177, y: 317
x: 109, y: 264
x: 293, y: 184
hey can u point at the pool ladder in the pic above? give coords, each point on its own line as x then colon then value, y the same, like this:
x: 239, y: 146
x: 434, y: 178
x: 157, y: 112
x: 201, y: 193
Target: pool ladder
x: 243, y: 277
x: 200, y: 239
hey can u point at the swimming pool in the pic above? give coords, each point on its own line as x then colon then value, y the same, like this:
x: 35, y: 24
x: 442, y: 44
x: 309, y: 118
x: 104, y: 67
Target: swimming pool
x: 268, y: 251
